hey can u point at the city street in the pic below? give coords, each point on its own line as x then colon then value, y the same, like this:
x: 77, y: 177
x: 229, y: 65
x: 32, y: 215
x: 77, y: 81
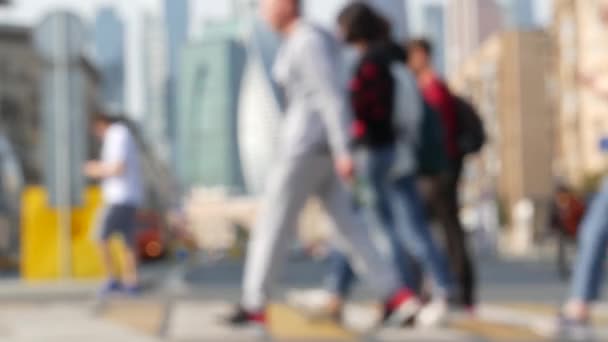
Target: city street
x: 517, y: 297
x: 183, y: 125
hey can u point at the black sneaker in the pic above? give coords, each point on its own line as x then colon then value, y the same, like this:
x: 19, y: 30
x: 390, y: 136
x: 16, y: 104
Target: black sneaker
x: 242, y: 317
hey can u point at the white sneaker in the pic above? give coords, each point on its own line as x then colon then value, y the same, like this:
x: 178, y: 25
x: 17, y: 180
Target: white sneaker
x: 313, y: 303
x: 433, y: 315
x: 564, y: 329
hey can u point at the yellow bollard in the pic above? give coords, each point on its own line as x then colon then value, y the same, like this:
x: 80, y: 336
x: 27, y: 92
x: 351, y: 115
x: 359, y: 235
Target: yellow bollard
x: 40, y: 237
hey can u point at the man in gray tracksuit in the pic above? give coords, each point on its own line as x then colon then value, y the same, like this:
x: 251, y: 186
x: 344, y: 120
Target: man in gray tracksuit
x: 313, y: 152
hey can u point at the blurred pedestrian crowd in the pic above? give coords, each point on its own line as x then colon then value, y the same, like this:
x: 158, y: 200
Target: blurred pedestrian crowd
x: 365, y: 149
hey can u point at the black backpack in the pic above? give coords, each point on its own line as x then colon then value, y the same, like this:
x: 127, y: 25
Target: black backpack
x: 471, y: 133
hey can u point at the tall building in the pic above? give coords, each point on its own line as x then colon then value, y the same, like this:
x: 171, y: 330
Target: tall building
x: 177, y: 19
x: 259, y: 108
x: 395, y: 11
x: 582, y: 53
x: 21, y: 77
x: 209, y: 81
x: 25, y: 141
x: 110, y: 58
x: 469, y: 24
x: 435, y: 32
x: 507, y: 79
x: 520, y: 14
x: 155, y: 74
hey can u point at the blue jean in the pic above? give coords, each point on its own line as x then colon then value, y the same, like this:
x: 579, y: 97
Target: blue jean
x: 387, y: 197
x: 592, y: 244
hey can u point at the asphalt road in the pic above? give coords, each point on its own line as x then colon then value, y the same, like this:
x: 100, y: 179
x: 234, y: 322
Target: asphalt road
x: 184, y: 304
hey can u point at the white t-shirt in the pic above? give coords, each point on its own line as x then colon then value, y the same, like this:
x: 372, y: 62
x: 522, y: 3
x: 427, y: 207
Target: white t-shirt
x: 119, y: 147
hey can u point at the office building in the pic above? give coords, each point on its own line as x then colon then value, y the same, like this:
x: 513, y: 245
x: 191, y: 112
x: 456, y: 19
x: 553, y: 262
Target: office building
x: 20, y: 95
x: 155, y: 74
x: 507, y: 79
x: 435, y: 31
x: 109, y: 35
x: 469, y: 24
x: 395, y: 11
x: 581, y: 73
x: 259, y: 108
x: 207, y: 142
x: 520, y: 14
x: 177, y: 19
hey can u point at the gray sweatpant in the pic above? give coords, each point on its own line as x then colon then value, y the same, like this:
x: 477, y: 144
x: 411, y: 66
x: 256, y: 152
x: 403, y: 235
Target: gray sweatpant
x: 290, y: 184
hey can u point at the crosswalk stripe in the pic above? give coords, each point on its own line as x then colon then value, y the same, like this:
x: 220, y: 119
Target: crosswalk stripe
x: 142, y: 316
x: 496, y: 331
x: 287, y: 324
x: 66, y: 323
x: 600, y: 314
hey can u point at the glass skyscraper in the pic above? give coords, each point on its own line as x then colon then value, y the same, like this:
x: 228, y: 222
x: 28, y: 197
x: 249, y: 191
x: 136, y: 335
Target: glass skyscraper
x: 207, y: 139
x: 155, y: 74
x: 177, y: 19
x: 520, y: 14
x: 110, y: 58
x: 435, y: 31
x: 259, y: 108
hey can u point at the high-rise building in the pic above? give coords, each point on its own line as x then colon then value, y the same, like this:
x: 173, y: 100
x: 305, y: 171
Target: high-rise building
x: 22, y: 140
x: 469, y: 24
x: 395, y: 11
x: 177, y: 20
x: 435, y: 32
x: 520, y: 14
x: 155, y: 75
x: 259, y: 108
x: 582, y: 125
x: 506, y: 78
x: 110, y: 58
x: 21, y: 76
x: 207, y: 139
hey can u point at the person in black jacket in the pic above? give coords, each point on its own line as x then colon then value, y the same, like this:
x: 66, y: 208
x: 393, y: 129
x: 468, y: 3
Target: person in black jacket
x: 387, y: 111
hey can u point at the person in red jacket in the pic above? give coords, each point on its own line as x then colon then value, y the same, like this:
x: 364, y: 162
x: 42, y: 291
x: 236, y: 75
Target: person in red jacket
x: 445, y: 200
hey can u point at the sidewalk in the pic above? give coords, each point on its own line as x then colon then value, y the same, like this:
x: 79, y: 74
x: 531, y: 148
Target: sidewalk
x: 15, y: 290
x: 147, y: 319
x: 189, y: 323
x: 60, y: 323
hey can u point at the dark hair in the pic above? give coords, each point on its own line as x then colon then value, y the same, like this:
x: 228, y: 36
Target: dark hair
x: 421, y: 43
x: 298, y: 6
x: 398, y: 52
x: 102, y: 117
x: 361, y: 23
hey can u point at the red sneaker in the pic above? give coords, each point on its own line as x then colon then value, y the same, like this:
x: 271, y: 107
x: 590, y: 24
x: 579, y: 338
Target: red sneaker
x: 242, y: 317
x: 401, y: 307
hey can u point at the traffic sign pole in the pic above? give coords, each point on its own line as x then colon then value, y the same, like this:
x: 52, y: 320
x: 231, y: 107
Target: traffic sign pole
x: 62, y: 174
x: 60, y: 40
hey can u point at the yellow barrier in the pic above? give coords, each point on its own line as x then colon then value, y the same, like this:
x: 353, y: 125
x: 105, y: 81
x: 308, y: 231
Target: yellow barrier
x: 40, y: 237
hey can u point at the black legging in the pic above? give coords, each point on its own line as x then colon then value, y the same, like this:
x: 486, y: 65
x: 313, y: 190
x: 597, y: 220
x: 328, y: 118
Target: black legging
x: 445, y: 205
